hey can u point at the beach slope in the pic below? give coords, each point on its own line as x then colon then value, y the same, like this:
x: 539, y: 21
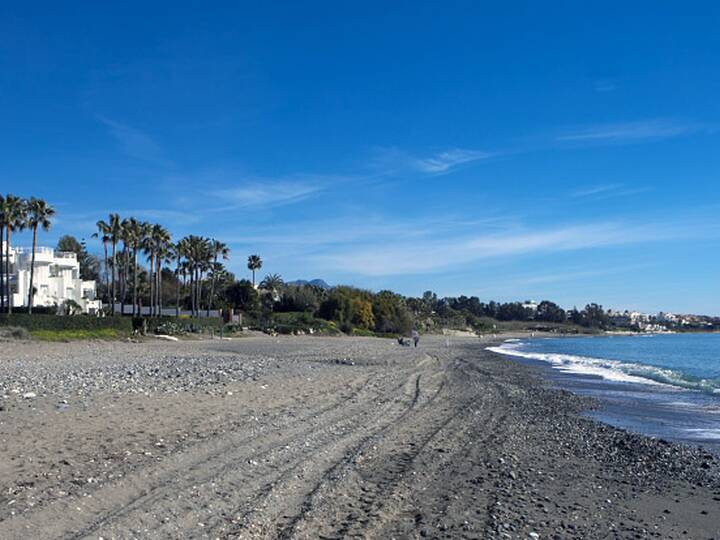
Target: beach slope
x: 324, y: 437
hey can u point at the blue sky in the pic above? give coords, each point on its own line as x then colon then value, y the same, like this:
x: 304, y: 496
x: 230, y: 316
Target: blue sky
x: 509, y: 150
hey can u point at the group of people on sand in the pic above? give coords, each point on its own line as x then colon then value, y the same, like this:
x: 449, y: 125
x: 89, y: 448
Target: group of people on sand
x: 405, y: 342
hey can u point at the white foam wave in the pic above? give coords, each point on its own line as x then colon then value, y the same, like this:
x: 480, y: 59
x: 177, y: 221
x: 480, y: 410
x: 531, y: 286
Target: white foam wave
x: 611, y: 370
x: 703, y: 433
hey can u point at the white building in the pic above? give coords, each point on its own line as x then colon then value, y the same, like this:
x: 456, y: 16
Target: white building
x: 56, y: 279
x: 667, y: 318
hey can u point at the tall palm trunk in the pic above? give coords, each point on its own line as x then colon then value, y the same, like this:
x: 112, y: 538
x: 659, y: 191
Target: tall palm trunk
x: 212, y: 285
x: 107, y: 276
x: 200, y: 291
x: 135, y: 276
x: 31, y: 291
x: 193, y: 296
x: 114, y: 263
x: 7, y: 271
x: 177, y: 292
x: 152, y: 284
x: 122, y: 276
x: 2, y: 268
x: 158, y: 273
x: 196, y: 279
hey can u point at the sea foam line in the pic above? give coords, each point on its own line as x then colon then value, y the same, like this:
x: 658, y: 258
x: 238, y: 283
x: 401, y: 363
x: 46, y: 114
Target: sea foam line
x: 611, y: 370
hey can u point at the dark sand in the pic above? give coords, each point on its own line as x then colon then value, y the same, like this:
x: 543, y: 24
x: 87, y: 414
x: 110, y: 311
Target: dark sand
x: 330, y: 438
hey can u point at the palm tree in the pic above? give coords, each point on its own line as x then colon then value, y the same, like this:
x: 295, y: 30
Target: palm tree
x: 124, y: 236
x: 103, y: 233
x: 218, y: 249
x: 2, y: 255
x: 178, y: 252
x: 14, y: 221
x: 39, y: 214
x: 140, y: 233
x: 254, y: 263
x: 198, y: 253
x: 271, y: 283
x: 164, y: 255
x: 149, y: 249
x: 155, y: 245
x: 115, y: 232
x: 134, y: 233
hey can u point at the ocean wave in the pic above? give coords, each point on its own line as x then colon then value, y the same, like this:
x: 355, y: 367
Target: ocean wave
x: 612, y: 370
x: 703, y: 433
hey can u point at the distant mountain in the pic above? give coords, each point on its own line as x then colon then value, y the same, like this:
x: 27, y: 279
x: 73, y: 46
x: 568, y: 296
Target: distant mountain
x: 315, y: 282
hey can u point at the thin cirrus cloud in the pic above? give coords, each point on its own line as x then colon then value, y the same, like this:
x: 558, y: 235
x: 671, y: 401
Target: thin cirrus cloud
x: 607, y: 191
x: 445, y: 161
x: 270, y: 193
x: 631, y: 131
x: 395, y: 258
x: 135, y: 142
x: 392, y: 160
x: 260, y: 193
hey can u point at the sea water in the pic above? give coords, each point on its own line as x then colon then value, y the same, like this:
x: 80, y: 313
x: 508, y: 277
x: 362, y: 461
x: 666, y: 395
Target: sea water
x: 664, y: 385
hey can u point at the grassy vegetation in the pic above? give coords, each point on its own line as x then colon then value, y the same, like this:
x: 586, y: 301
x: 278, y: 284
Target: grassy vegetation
x: 78, y: 334
x: 488, y: 325
x: 41, y: 321
x: 292, y: 322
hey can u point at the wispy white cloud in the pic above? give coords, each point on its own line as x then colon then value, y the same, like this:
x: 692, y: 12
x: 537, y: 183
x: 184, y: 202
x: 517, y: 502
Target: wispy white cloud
x: 447, y: 160
x: 134, y: 142
x: 606, y: 191
x: 267, y: 193
x: 632, y: 131
x: 432, y: 253
x: 393, y: 160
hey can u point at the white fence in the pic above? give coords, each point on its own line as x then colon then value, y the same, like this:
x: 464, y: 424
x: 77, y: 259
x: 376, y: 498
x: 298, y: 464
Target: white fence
x: 168, y: 312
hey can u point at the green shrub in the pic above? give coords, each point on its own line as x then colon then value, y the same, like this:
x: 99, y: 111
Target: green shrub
x: 40, y: 321
x: 184, y: 325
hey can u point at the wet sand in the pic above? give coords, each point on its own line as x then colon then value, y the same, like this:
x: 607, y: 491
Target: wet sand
x: 324, y: 437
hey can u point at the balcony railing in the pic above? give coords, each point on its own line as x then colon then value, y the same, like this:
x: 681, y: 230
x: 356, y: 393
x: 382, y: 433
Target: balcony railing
x: 40, y: 249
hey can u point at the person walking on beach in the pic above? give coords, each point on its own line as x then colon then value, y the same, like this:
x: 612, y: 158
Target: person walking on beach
x: 415, y: 337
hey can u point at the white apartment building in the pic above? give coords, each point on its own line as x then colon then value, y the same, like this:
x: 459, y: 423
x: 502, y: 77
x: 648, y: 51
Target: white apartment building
x: 56, y: 279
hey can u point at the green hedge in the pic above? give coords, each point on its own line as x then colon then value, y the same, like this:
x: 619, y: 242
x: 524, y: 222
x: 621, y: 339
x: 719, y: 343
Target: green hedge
x: 40, y: 321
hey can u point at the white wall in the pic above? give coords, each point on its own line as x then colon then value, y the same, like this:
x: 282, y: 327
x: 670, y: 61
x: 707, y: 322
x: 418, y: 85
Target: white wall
x: 56, y: 279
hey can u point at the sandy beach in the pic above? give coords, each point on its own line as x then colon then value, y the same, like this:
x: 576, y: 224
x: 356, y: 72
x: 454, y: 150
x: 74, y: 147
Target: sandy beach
x: 324, y: 438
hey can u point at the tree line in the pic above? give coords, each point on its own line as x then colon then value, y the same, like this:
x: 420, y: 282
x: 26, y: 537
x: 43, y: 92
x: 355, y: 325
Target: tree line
x: 191, y: 267
x: 143, y: 266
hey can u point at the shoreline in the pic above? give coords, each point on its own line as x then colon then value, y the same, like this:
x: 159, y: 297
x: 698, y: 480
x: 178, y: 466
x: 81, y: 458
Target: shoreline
x: 632, y: 400
x: 294, y: 437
